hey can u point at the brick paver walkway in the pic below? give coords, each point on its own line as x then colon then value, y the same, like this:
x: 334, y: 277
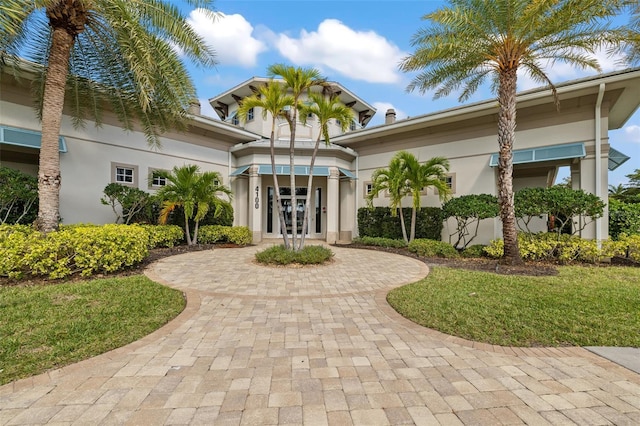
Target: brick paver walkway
x: 260, y: 346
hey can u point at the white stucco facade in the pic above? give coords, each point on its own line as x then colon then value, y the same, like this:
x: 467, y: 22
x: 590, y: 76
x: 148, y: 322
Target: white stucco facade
x: 240, y: 152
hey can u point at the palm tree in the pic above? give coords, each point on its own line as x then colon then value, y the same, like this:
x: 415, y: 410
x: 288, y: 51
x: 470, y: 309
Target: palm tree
x: 298, y: 81
x: 121, y: 53
x: 471, y: 40
x: 618, y: 192
x: 392, y: 180
x: 273, y: 101
x: 421, y: 176
x: 196, y: 192
x: 325, y: 109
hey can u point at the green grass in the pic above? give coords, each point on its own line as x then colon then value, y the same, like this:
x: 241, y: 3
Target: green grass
x: 582, y: 306
x: 45, y: 327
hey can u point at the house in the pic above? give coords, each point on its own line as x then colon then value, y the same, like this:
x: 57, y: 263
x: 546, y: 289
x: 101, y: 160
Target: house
x: 576, y: 135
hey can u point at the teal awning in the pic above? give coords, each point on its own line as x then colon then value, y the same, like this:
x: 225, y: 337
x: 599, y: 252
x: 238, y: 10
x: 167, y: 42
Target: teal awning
x: 616, y: 158
x: 25, y: 138
x: 265, y: 169
x: 546, y: 153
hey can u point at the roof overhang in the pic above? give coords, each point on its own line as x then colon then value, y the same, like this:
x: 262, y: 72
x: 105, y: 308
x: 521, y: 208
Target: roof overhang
x: 622, y: 86
x: 545, y: 153
x: 284, y: 170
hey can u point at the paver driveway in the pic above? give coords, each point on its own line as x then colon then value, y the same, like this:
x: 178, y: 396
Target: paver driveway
x: 260, y: 345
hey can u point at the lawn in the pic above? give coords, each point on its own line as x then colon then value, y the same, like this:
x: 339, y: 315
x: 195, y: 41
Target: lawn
x: 50, y: 326
x: 581, y: 306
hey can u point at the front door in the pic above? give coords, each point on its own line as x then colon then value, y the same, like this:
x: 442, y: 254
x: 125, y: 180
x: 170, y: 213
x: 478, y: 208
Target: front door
x: 292, y: 214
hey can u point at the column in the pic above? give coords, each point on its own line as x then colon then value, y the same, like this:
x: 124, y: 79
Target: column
x: 333, y: 205
x: 255, y: 204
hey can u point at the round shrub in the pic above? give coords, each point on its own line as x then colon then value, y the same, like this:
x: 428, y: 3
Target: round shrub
x: 432, y: 248
x: 211, y: 234
x: 163, y: 235
x: 309, y: 255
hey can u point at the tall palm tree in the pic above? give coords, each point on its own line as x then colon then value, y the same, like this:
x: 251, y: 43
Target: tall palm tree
x: 393, y: 180
x: 325, y: 108
x: 470, y: 40
x: 419, y: 177
x: 298, y: 81
x: 196, y: 192
x: 121, y: 53
x: 273, y: 100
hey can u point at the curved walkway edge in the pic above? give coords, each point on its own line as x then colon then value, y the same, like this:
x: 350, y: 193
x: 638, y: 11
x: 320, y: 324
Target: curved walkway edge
x: 316, y: 345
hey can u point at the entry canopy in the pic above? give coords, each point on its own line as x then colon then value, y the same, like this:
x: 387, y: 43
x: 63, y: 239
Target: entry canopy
x: 25, y: 138
x: 265, y: 169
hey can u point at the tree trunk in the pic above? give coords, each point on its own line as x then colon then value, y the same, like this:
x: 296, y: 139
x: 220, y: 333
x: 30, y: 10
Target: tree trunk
x: 403, y: 225
x: 413, y: 224
x: 53, y: 102
x: 195, y: 233
x: 506, y: 138
x: 292, y: 177
x: 276, y: 187
x: 186, y: 229
x: 309, y: 187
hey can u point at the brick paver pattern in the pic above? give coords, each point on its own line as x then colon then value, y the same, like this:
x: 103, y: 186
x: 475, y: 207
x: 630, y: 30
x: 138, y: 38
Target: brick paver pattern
x: 316, y: 345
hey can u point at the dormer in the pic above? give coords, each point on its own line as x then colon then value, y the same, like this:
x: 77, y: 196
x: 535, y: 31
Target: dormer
x: 226, y: 106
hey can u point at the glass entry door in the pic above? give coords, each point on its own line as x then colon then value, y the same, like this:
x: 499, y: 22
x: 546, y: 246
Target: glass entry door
x: 292, y: 213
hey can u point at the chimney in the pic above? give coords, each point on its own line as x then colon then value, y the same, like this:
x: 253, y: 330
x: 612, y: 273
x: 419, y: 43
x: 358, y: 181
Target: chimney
x: 194, y: 107
x: 390, y: 116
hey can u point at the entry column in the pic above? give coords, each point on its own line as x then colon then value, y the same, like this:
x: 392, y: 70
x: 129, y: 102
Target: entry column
x: 333, y: 205
x: 255, y: 204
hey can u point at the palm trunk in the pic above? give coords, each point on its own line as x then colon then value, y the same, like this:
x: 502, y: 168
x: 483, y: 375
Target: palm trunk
x: 195, y: 233
x: 506, y: 137
x: 53, y: 102
x: 292, y: 177
x: 413, y: 224
x: 403, y: 225
x: 276, y: 187
x: 309, y: 186
x: 187, y: 231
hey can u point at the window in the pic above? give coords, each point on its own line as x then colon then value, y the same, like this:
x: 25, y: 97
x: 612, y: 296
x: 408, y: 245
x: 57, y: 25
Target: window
x: 156, y: 181
x: 352, y: 126
x: 450, y: 180
x: 250, y: 114
x: 216, y: 182
x: 235, y: 120
x: 367, y: 189
x: 125, y: 174
x: 338, y: 123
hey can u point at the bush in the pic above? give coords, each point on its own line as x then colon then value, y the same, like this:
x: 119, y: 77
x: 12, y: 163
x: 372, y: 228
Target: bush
x: 309, y: 255
x: 624, y: 218
x: 163, y: 235
x: 223, y: 218
x: 476, y: 250
x: 378, y: 222
x: 468, y: 211
x: 432, y: 248
x: 84, y: 249
x: 211, y: 234
x: 125, y: 201
x: 563, y: 248
x: 380, y: 242
x: 18, y: 196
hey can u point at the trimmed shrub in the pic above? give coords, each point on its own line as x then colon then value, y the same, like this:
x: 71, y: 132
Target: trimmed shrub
x: 563, y: 248
x: 476, y: 250
x: 380, y: 242
x: 432, y: 248
x: 468, y: 211
x: 125, y: 201
x: 163, y: 235
x: 624, y: 218
x: 18, y: 196
x: 211, y: 234
x: 84, y: 249
x: 378, y: 222
x: 309, y: 255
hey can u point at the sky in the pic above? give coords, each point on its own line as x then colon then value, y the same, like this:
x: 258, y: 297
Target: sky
x: 357, y: 43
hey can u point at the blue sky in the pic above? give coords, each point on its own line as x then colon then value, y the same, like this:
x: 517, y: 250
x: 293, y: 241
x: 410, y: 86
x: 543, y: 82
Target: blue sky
x: 355, y: 42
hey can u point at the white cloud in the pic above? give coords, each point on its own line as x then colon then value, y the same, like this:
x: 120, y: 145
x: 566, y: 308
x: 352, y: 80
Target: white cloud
x: 381, y: 110
x: 231, y: 36
x: 632, y: 133
x: 360, y: 55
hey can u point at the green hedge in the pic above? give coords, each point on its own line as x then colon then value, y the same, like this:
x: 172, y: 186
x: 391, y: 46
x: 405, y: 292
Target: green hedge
x: 163, y: 235
x: 432, y: 248
x: 569, y: 248
x: 84, y: 249
x: 624, y: 218
x: 210, y: 234
x: 378, y: 222
x: 380, y: 242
